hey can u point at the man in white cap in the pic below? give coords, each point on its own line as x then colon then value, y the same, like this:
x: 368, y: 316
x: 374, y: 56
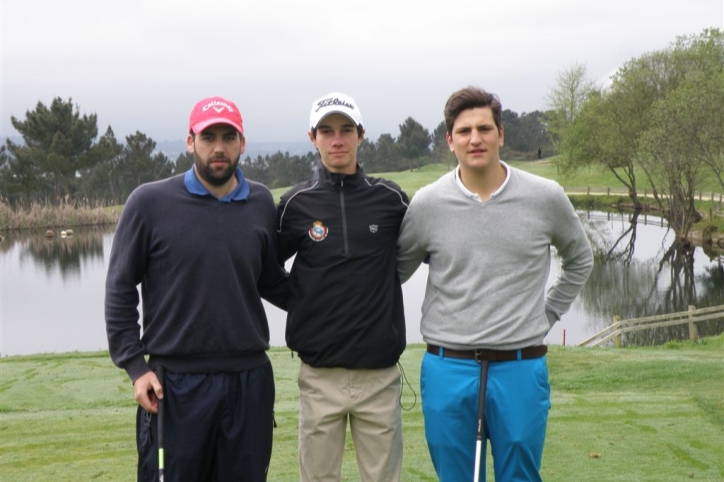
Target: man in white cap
x: 202, y: 245
x: 345, y: 312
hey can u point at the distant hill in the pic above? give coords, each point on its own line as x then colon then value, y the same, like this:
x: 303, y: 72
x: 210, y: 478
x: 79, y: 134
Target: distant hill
x: 172, y: 149
x: 15, y: 139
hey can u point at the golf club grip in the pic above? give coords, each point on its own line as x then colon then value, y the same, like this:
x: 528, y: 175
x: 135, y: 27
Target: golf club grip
x: 160, y: 417
x: 481, y: 398
x: 481, y: 419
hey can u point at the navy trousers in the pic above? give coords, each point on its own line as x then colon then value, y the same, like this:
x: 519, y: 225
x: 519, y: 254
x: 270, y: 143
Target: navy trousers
x: 217, y: 428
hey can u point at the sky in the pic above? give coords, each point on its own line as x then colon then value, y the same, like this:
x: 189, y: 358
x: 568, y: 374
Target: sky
x: 141, y: 65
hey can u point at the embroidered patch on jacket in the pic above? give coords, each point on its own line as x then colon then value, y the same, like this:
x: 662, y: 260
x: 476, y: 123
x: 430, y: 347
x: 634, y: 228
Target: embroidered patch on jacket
x: 318, y: 231
x: 373, y: 228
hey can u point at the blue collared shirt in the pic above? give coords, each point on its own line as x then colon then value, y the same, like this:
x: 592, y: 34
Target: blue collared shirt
x: 194, y: 186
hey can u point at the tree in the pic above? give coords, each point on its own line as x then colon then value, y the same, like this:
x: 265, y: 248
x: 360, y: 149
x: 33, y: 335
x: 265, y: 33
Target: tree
x: 680, y: 144
x: 286, y: 170
x: 57, y: 146
x: 533, y: 133
x: 662, y: 114
x: 413, y: 142
x: 139, y: 164
x: 602, y: 136
x: 257, y: 169
x: 514, y: 140
x: 387, y: 154
x: 303, y: 167
x: 701, y: 96
x: 524, y: 135
x: 683, y: 140
x: 5, y: 174
x: 183, y: 162
x: 565, y: 101
x: 440, y: 147
x: 367, y: 155
x: 22, y: 179
x: 100, y: 182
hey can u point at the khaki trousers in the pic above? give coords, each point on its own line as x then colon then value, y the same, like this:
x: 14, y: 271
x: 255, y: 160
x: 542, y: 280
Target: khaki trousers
x: 328, y: 397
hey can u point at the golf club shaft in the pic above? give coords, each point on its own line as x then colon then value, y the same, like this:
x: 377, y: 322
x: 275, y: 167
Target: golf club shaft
x: 159, y: 375
x: 478, y: 452
x: 481, y: 419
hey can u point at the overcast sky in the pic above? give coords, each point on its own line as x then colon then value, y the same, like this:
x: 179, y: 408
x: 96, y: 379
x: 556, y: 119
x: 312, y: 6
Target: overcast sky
x: 142, y: 64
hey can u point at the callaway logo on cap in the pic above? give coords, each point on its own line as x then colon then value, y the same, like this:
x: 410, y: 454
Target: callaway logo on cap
x: 334, y: 103
x: 215, y: 110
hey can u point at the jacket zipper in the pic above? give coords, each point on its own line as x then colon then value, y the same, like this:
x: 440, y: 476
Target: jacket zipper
x: 344, y: 217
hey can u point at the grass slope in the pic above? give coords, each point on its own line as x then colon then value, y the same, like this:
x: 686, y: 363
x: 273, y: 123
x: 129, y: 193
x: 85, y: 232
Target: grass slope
x: 595, y: 178
x: 636, y: 414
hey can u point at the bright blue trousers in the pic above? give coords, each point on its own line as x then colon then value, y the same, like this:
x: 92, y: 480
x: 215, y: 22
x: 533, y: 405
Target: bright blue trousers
x: 516, y: 413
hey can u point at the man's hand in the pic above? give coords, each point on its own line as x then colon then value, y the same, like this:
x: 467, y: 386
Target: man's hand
x: 147, y: 390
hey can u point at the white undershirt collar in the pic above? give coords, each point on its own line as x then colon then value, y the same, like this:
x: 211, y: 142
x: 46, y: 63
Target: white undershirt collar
x: 474, y: 196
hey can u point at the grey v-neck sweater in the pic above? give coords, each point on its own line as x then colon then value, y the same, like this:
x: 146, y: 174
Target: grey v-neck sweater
x: 489, y: 262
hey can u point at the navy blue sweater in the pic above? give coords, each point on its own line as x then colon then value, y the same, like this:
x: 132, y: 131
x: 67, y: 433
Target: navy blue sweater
x: 202, y: 265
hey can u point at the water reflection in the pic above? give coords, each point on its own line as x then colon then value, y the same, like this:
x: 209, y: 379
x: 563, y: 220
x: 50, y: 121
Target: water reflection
x: 52, y: 291
x: 63, y: 255
x: 631, y: 281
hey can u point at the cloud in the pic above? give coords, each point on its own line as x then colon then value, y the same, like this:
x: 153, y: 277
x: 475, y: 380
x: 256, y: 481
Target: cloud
x: 141, y: 65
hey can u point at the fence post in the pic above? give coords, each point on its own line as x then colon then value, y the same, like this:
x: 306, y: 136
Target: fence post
x: 588, y: 191
x: 693, y: 335
x: 617, y: 338
x: 608, y: 191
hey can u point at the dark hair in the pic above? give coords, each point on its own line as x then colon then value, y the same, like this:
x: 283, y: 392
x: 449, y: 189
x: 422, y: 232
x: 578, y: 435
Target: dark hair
x: 469, y: 98
x: 360, y: 132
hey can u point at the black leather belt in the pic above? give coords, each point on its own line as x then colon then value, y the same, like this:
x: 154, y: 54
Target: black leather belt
x: 491, y: 355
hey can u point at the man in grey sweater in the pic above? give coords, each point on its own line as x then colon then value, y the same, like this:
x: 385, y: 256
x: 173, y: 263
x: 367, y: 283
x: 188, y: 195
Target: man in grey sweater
x: 487, y: 230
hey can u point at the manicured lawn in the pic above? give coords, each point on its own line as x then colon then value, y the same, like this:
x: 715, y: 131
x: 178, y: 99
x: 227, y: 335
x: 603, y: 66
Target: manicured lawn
x: 411, y: 181
x: 636, y: 414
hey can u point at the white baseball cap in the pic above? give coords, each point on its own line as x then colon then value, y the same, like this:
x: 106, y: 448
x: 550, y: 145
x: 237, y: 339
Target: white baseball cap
x: 334, y: 103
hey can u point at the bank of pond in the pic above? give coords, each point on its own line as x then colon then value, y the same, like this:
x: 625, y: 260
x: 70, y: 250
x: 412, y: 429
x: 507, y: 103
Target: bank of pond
x: 54, y: 287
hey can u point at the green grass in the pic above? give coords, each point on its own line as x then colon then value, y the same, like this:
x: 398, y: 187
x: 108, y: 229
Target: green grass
x: 411, y: 181
x: 646, y: 414
x: 596, y: 179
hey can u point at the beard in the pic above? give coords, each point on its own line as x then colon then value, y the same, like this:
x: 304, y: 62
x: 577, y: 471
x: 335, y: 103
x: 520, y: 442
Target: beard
x: 212, y: 175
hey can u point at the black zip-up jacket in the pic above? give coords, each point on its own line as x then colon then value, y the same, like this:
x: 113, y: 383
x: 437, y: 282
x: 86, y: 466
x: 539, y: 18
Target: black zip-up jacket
x: 345, y: 307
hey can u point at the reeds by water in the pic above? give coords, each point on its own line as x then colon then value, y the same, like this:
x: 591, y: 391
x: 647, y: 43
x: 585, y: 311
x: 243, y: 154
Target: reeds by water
x: 68, y: 213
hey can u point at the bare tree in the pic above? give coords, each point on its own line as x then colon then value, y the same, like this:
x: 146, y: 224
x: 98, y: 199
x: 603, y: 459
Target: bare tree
x: 565, y: 101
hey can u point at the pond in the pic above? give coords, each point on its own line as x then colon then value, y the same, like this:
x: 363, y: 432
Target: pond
x: 52, y: 290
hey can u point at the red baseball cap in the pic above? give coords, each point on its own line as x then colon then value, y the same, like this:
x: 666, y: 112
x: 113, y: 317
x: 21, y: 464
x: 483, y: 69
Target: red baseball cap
x: 215, y: 110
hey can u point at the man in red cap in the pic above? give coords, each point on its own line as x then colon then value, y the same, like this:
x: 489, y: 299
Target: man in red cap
x: 202, y: 245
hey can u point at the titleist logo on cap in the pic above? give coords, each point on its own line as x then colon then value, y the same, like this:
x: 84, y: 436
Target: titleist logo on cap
x: 333, y: 101
x: 217, y: 105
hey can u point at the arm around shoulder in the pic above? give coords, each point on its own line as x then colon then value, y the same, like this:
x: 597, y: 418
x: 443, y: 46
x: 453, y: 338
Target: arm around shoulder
x: 411, y: 246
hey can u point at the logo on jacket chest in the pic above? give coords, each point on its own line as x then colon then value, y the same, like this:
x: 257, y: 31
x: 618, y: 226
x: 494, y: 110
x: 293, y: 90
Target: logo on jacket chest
x: 318, y: 231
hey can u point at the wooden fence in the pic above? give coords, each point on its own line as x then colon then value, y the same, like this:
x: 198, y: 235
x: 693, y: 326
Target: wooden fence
x: 622, y: 191
x: 615, y: 331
